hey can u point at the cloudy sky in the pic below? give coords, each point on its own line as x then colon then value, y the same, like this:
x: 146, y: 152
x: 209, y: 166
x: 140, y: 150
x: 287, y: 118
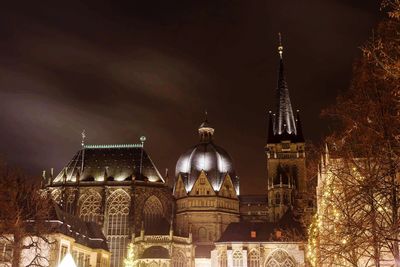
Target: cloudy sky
x: 122, y: 69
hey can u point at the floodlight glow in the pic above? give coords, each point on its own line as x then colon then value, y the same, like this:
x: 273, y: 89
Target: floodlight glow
x: 68, y: 261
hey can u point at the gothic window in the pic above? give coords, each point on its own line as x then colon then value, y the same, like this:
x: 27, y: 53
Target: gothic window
x: 237, y: 259
x: 179, y: 260
x: 285, y: 199
x: 277, y: 198
x: 90, y: 206
x: 56, y: 196
x: 152, y: 213
x: 202, y: 234
x: 117, y: 230
x: 280, y: 258
x: 253, y: 259
x: 222, y: 259
x: 70, y: 202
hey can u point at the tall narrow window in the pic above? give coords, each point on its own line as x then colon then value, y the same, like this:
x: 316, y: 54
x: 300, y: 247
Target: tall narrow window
x: 153, y: 213
x: 117, y: 229
x: 90, y: 204
x: 222, y: 259
x: 237, y: 259
x: 179, y: 260
x: 253, y: 259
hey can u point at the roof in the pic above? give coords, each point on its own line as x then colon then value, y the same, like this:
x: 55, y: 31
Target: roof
x: 264, y: 231
x: 210, y: 158
x: 85, y: 233
x: 111, y: 163
x: 282, y: 124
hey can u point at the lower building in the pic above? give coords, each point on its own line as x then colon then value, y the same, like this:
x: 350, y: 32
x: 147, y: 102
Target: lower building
x: 69, y: 235
x: 257, y: 244
x: 162, y: 249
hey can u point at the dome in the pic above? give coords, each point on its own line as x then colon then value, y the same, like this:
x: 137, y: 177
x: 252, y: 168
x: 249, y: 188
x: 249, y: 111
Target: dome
x: 208, y: 157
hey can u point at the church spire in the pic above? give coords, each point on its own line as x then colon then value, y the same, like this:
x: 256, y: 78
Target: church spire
x: 284, y: 120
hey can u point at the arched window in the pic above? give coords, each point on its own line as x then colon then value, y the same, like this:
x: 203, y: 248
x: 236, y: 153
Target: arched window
x: 253, y: 259
x: 117, y: 230
x: 280, y: 258
x: 237, y: 259
x: 90, y: 206
x: 179, y: 260
x: 56, y: 195
x: 153, y: 213
x: 222, y: 259
x: 285, y: 199
x: 277, y: 198
x: 202, y: 234
x: 69, y: 207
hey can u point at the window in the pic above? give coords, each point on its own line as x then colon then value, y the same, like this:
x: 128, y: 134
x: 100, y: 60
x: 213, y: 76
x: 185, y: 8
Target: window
x: 90, y: 206
x: 237, y: 259
x: 253, y: 234
x: 87, y: 260
x: 117, y: 228
x: 277, y: 198
x: 222, y: 259
x: 253, y: 259
x: 285, y: 199
x: 179, y: 260
x: 64, y: 250
x: 153, y: 213
x: 280, y: 258
x: 202, y: 234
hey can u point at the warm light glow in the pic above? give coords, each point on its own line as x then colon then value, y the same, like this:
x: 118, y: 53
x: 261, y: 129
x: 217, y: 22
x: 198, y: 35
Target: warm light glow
x: 68, y: 261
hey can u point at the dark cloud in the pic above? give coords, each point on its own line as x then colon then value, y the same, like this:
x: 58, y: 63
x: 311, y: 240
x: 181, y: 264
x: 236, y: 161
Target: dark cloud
x: 122, y: 69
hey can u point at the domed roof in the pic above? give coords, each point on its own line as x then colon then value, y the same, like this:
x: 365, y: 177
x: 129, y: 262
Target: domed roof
x: 208, y: 157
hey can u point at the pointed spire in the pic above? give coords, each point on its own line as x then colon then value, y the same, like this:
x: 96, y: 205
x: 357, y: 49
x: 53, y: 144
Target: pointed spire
x: 284, y: 106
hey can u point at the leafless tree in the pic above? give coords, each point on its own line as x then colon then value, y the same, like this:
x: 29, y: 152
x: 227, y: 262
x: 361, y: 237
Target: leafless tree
x: 24, y: 212
x: 358, y: 222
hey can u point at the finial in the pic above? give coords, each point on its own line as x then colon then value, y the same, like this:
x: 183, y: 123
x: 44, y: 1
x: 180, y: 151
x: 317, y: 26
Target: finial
x: 205, y: 115
x: 142, y: 139
x: 83, y: 137
x: 280, y: 47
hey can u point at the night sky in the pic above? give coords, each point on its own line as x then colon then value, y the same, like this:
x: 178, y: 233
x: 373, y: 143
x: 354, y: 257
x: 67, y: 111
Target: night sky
x: 122, y: 69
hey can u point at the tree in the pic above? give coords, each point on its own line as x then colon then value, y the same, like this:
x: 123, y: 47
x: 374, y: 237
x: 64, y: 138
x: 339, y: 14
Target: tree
x: 24, y: 210
x: 130, y: 258
x: 358, y: 221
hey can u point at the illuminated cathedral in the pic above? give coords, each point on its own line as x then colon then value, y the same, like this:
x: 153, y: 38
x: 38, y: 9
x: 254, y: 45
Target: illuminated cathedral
x: 203, y: 220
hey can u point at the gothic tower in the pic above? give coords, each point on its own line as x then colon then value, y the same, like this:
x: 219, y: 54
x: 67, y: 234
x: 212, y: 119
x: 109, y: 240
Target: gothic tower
x: 286, y: 171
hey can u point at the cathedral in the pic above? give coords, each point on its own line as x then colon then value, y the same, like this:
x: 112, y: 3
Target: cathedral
x: 203, y: 220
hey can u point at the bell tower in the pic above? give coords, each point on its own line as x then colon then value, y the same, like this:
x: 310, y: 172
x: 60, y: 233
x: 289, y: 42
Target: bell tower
x: 285, y: 151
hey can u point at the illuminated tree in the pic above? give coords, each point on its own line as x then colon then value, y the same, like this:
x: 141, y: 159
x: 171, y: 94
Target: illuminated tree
x: 357, y: 223
x: 130, y: 258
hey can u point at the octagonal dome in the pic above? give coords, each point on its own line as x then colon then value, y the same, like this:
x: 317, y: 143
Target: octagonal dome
x: 208, y: 157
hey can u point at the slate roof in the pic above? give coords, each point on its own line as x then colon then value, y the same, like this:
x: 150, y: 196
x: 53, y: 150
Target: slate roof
x: 264, y: 231
x: 85, y: 233
x: 112, y: 162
